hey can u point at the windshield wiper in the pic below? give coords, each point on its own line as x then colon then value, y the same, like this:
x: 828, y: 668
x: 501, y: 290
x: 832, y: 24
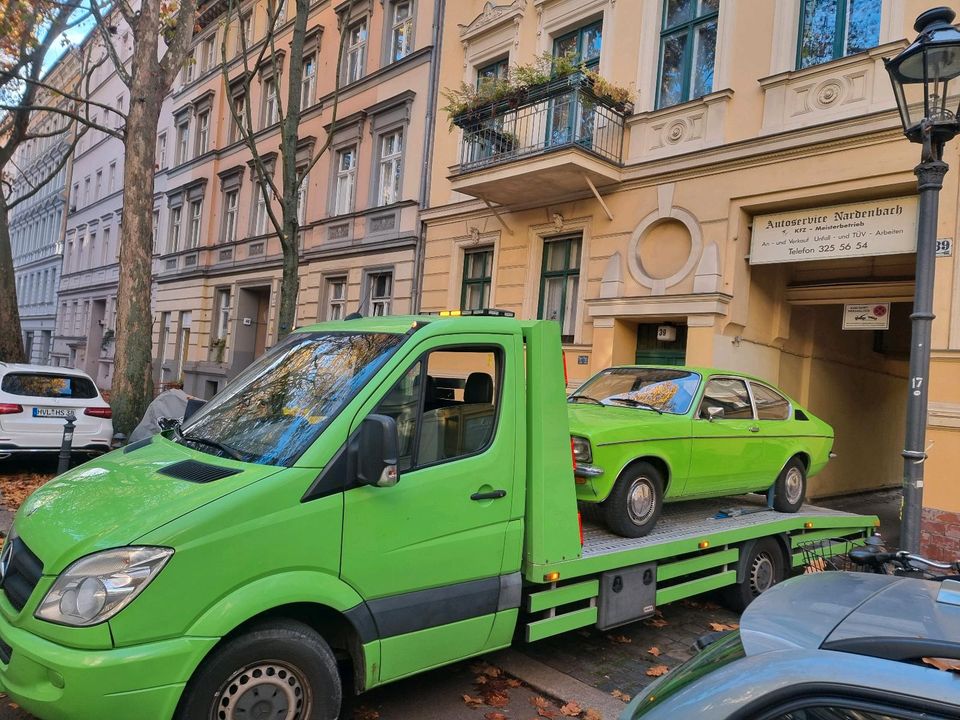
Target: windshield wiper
x: 210, y: 443
x: 636, y: 404
x: 584, y: 397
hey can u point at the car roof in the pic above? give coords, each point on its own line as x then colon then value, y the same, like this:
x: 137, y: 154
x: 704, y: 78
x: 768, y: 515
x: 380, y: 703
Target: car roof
x: 42, y: 369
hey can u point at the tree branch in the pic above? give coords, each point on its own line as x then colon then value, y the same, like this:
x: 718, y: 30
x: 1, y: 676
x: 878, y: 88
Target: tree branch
x: 104, y: 31
x: 64, y: 159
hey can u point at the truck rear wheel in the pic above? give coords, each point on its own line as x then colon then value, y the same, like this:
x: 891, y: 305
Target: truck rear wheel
x: 763, y: 567
x: 634, y: 504
x: 282, y: 670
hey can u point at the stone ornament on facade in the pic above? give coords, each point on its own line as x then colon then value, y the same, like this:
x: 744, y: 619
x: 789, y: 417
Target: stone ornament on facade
x: 492, y: 14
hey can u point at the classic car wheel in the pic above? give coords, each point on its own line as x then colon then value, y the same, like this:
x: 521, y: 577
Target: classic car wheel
x: 635, y: 502
x: 282, y: 671
x: 764, y: 567
x: 790, y: 490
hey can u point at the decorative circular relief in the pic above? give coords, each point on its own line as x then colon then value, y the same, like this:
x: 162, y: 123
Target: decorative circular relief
x: 675, y: 131
x: 828, y: 93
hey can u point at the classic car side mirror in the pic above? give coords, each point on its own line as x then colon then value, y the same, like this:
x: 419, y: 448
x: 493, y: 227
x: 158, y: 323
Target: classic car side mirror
x: 714, y: 413
x: 375, y: 450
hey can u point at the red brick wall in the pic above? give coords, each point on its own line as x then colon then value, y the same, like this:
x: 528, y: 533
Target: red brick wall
x: 940, y: 534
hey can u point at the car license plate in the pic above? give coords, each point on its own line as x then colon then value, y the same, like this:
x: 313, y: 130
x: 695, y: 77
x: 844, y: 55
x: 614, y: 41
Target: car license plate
x: 52, y: 412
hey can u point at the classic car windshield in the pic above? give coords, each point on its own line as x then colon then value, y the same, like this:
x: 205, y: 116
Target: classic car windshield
x: 273, y: 411
x: 669, y: 391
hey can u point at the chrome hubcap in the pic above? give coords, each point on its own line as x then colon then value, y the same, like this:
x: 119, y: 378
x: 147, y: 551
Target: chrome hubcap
x: 761, y: 574
x: 641, y: 502
x: 265, y: 691
x: 793, y: 484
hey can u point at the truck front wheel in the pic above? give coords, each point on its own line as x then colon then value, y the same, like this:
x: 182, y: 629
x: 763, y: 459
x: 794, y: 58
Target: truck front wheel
x: 634, y: 504
x: 282, y: 670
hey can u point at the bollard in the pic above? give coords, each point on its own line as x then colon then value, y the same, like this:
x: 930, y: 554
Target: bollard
x: 67, y: 443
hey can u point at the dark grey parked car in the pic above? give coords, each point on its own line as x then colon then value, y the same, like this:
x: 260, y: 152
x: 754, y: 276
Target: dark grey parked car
x: 827, y: 646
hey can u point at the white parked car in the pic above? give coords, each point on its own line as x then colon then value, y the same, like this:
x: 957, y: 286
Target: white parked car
x: 34, y: 399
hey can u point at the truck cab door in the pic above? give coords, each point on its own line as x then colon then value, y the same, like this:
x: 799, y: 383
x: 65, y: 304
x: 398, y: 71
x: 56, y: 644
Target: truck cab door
x: 427, y: 554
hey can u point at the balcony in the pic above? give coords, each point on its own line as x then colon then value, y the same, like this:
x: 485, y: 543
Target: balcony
x: 555, y: 140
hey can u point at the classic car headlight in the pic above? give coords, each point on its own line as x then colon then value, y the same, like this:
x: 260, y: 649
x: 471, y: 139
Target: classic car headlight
x: 97, y: 587
x: 581, y: 449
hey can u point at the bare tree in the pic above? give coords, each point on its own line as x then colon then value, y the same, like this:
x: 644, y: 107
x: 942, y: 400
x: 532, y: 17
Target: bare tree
x: 281, y: 198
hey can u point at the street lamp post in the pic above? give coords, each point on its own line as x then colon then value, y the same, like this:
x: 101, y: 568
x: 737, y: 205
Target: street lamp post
x: 926, y: 83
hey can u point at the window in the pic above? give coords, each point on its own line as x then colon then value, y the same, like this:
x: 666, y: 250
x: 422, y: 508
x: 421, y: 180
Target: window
x: 559, y: 283
x: 493, y: 72
x: 118, y: 116
x: 183, y: 342
x: 209, y: 53
x: 581, y: 45
x: 49, y: 385
x: 401, y: 43
x: 277, y: 13
x: 196, y: 211
x: 336, y: 298
x: 771, y: 405
x: 189, y: 65
x: 112, y: 177
x: 183, y: 136
x: 231, y: 202
x: 239, y: 111
x: 246, y: 32
x: 74, y: 196
x: 156, y: 231
x: 379, y: 293
x: 728, y: 394
x: 356, y: 50
x: 271, y: 112
x: 688, y: 44
x: 346, y: 180
x: 223, y: 314
x: 203, y: 132
x: 105, y: 246
x: 98, y: 185
x: 831, y: 29
x: 477, y: 267
x: 445, y: 406
x: 161, y: 151
x: 86, y: 190
x: 388, y: 174
x: 164, y: 340
x: 176, y: 215
x: 260, y: 215
x: 304, y: 183
x: 309, y: 81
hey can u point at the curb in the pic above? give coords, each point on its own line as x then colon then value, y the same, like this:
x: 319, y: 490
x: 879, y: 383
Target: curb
x: 556, y: 684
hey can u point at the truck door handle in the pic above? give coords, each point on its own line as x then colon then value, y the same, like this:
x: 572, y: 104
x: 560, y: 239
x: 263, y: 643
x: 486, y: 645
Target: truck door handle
x: 491, y: 495
x: 754, y: 428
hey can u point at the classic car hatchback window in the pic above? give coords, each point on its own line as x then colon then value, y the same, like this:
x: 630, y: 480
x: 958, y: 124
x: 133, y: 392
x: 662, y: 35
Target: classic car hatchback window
x: 664, y: 390
x: 273, y: 411
x: 770, y: 405
x: 730, y: 395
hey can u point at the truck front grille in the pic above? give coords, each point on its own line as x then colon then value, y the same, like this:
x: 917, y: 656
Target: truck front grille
x: 20, y: 571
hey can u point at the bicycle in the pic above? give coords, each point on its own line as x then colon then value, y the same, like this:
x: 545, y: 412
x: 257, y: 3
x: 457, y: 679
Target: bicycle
x: 841, y: 554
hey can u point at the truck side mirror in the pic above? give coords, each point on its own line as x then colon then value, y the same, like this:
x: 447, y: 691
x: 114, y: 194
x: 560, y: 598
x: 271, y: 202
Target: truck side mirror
x: 714, y: 413
x: 375, y: 450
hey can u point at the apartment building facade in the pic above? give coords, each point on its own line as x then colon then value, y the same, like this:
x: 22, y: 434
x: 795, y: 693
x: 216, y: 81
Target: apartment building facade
x: 219, y: 259
x: 37, y: 223
x: 753, y: 200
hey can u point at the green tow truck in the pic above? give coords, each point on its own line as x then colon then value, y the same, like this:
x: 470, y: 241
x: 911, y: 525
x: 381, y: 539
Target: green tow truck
x: 373, y: 498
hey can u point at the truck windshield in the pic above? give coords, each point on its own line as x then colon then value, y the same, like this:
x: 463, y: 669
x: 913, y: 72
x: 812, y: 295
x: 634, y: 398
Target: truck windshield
x: 274, y: 410
x: 661, y: 389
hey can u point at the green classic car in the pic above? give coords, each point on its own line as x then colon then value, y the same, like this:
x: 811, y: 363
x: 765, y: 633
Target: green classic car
x: 645, y: 435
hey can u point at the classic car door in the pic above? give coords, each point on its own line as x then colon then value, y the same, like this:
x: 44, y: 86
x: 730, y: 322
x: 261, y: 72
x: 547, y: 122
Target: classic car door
x: 727, y: 450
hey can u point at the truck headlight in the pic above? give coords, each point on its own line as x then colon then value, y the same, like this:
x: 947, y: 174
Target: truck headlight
x: 581, y: 449
x: 97, y: 587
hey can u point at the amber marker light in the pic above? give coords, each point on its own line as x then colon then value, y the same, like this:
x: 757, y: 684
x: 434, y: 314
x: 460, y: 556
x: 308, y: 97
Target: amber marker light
x: 551, y: 576
x: 807, y: 525
x: 703, y: 544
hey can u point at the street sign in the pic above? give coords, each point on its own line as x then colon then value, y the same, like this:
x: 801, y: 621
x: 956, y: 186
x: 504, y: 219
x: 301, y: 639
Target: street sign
x: 866, y: 316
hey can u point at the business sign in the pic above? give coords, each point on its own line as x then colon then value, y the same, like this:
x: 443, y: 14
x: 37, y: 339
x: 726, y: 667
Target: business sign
x: 863, y: 229
x: 866, y: 316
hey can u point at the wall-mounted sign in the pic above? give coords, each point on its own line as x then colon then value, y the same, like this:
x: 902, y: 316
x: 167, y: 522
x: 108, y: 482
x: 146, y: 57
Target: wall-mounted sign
x: 944, y: 247
x: 877, y: 227
x: 666, y: 333
x: 583, y: 360
x: 866, y: 316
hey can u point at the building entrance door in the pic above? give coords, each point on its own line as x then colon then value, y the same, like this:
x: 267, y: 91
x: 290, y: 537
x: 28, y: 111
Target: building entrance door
x: 652, y: 351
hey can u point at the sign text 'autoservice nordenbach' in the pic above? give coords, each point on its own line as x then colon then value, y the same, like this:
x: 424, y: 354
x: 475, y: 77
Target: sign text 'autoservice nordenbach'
x: 875, y: 227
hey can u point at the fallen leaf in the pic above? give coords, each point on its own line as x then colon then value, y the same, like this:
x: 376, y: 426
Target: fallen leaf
x: 721, y: 627
x: 539, y: 702
x: 622, y: 639
x: 943, y: 663
x: 495, y: 716
x: 656, y: 622
x: 480, y: 680
x: 473, y: 702
x: 622, y: 695
x: 707, y: 605
x: 496, y: 699
x: 655, y: 651
x: 571, y: 709
x: 365, y: 713
x: 657, y: 670
x: 513, y: 682
x: 546, y: 713
x: 491, y: 671
x: 592, y: 714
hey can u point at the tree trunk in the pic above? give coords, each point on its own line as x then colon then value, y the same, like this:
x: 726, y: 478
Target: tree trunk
x: 11, y: 340
x: 132, y: 388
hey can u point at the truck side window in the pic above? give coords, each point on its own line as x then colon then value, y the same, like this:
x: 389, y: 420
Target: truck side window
x: 731, y: 395
x: 445, y: 405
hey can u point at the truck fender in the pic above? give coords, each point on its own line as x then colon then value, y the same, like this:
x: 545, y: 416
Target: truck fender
x: 783, y: 540
x: 285, y: 588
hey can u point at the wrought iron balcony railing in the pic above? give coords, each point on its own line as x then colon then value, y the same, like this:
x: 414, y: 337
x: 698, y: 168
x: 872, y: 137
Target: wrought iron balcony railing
x: 564, y: 113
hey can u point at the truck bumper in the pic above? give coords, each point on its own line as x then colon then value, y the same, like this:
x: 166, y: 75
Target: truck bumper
x: 55, y: 682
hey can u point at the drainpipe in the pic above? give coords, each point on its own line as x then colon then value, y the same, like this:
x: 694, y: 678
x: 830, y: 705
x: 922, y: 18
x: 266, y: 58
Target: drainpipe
x: 418, y: 257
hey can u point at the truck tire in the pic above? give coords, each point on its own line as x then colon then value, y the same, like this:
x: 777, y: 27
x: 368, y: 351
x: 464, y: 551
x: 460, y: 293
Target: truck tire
x: 281, y: 669
x: 764, y: 567
x: 790, y: 489
x: 635, y: 503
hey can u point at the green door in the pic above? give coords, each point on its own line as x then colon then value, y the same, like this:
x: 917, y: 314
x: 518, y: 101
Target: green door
x: 653, y: 351
x: 428, y: 554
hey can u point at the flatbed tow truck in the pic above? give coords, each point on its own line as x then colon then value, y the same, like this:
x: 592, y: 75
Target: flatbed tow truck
x: 374, y: 498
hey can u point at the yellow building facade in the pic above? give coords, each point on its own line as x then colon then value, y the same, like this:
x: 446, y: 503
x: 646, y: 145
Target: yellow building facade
x: 754, y: 209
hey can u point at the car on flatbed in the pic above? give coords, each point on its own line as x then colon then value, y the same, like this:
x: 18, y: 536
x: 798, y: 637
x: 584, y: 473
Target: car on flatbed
x: 371, y: 499
x: 644, y: 436
x: 34, y: 403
